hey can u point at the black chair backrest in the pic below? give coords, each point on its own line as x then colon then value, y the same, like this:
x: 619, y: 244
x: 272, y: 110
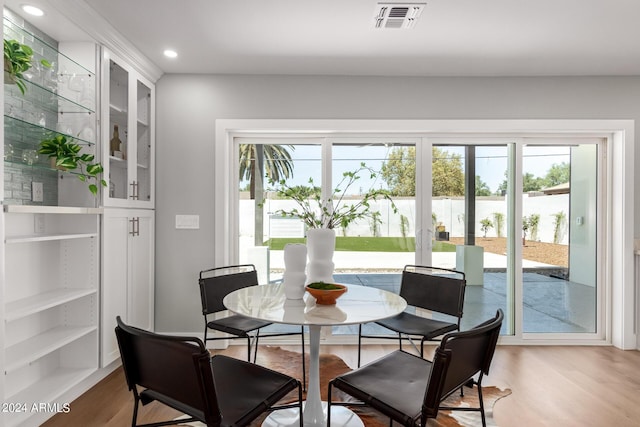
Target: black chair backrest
x: 435, y: 388
x: 471, y: 352
x: 435, y: 292
x: 216, y: 283
x: 177, y: 367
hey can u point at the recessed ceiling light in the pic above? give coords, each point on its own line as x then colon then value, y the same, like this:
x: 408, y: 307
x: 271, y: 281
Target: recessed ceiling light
x: 170, y: 53
x: 32, y: 10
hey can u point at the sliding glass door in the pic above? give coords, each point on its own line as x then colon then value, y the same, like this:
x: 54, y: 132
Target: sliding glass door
x: 520, y: 216
x: 560, y: 237
x: 470, y: 215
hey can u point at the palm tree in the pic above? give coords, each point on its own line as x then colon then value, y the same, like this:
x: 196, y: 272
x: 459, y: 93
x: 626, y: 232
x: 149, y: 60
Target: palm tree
x: 256, y: 162
x: 272, y: 161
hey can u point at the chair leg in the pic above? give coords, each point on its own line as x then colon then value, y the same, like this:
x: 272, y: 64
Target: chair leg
x: 304, y: 370
x: 399, y: 340
x: 136, y: 400
x: 255, y: 351
x: 329, y: 404
x: 249, y: 349
x: 484, y: 420
x: 300, y: 406
x: 359, y: 342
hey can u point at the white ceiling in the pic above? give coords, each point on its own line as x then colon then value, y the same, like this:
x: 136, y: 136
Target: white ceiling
x: 337, y: 37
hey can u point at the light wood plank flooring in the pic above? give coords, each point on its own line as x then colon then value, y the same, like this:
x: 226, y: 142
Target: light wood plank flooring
x: 552, y: 386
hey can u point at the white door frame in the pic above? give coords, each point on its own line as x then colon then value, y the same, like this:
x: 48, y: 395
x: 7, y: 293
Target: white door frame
x: 619, y: 229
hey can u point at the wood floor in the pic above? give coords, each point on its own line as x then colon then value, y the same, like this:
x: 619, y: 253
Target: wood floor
x: 551, y: 386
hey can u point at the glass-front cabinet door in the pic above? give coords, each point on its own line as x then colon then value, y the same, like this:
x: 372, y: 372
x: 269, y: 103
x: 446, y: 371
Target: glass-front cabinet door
x: 128, y: 136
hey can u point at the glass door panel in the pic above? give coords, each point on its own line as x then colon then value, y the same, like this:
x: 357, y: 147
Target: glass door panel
x: 559, y: 235
x: 469, y: 215
x: 263, y: 231
x: 373, y: 250
x: 143, y: 147
x: 118, y: 131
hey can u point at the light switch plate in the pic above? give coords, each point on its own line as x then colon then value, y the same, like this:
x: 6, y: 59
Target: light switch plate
x: 188, y: 222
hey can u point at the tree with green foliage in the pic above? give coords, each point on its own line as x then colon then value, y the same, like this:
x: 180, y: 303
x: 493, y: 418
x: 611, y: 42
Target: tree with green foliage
x: 529, y: 183
x: 278, y: 164
x: 485, y: 225
x: 482, y: 188
x: 399, y: 172
x: 498, y: 219
x: 447, y: 173
x: 525, y: 229
x: 404, y: 226
x: 557, y: 174
x: 534, y: 221
x: 559, y: 220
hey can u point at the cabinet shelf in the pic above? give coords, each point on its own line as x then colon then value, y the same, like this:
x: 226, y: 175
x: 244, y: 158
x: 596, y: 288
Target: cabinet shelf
x: 43, y: 49
x: 50, y: 387
x: 118, y: 114
x: 25, y: 352
x: 35, y: 133
x: 49, y: 237
x: 27, y: 306
x: 52, y: 209
x: 46, y: 94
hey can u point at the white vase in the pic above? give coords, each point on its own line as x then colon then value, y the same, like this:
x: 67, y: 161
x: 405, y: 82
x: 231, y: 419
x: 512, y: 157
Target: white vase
x: 321, y: 243
x: 295, y: 261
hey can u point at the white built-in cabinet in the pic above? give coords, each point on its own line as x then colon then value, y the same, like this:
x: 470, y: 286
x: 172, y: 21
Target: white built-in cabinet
x: 70, y: 262
x: 128, y: 280
x: 50, y: 241
x: 128, y: 104
x: 51, y: 304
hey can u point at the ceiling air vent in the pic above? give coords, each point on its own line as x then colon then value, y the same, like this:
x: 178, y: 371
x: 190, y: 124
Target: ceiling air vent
x: 397, y: 15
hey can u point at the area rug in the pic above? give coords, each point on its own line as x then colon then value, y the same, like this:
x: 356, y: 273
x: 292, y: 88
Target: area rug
x: 331, y: 366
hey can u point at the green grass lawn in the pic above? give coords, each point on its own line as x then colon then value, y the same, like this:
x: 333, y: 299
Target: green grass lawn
x: 367, y: 244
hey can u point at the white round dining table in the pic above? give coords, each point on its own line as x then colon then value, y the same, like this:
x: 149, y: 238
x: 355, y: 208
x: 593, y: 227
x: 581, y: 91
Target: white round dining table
x: 360, y: 304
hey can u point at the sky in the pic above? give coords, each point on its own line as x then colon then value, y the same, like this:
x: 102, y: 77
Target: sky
x: 491, y: 162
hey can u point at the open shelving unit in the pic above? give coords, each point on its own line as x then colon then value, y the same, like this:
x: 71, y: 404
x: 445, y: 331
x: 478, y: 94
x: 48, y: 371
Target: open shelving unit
x: 51, y: 248
x: 51, y: 312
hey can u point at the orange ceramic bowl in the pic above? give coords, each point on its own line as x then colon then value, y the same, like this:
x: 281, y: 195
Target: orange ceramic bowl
x: 326, y: 296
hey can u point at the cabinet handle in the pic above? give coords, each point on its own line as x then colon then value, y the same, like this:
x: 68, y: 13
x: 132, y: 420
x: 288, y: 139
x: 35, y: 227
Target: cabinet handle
x: 135, y: 226
x: 134, y: 190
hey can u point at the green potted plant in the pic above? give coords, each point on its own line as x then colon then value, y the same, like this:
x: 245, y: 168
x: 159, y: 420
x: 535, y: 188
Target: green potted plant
x: 333, y: 212
x: 68, y: 157
x: 17, y: 60
x: 323, y: 216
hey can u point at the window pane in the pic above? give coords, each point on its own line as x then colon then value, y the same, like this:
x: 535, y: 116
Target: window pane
x: 559, y: 238
x: 470, y: 220
x: 371, y: 251
x: 263, y: 230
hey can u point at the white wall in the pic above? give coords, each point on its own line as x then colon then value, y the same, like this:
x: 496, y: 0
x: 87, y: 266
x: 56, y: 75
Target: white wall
x: 188, y: 105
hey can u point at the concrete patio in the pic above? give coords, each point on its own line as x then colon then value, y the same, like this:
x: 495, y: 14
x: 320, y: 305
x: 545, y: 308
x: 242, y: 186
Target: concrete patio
x: 551, y: 304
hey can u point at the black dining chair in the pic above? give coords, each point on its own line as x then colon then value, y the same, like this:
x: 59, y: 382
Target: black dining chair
x: 438, y: 290
x: 410, y: 390
x: 215, y: 284
x: 179, y: 372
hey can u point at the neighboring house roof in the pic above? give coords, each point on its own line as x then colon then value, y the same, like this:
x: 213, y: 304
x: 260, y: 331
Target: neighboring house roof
x: 557, y: 189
